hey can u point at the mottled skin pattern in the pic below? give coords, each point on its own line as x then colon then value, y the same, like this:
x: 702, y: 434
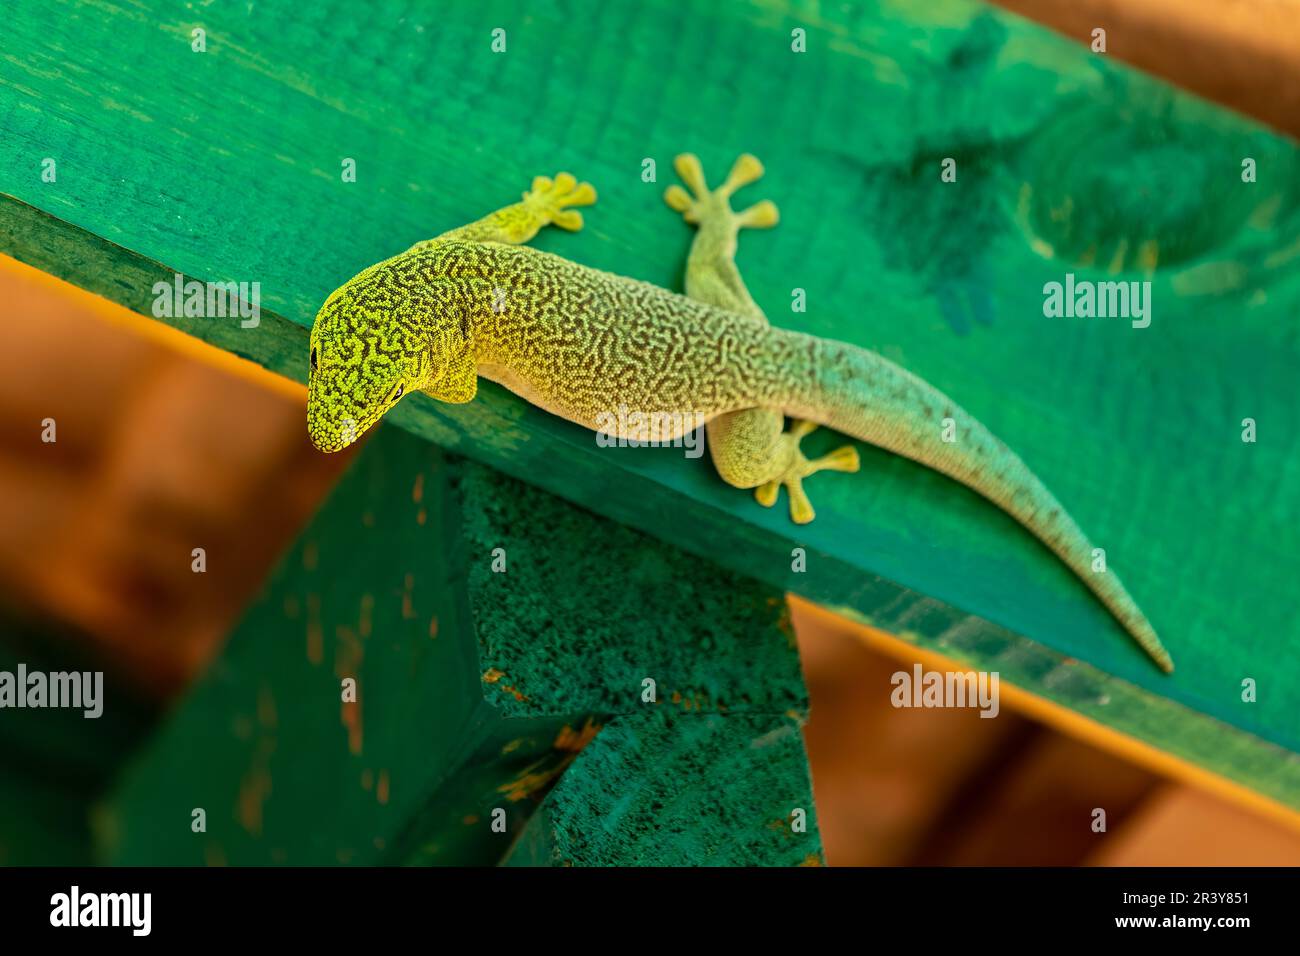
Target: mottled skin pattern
x: 584, y: 344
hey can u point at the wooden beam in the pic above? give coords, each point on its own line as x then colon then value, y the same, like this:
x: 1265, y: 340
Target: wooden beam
x: 488, y: 643
x: 668, y: 769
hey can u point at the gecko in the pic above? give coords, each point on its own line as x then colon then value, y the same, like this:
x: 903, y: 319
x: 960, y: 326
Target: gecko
x: 578, y: 342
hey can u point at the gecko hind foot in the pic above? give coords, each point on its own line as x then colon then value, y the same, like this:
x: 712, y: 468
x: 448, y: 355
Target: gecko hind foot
x: 550, y: 199
x: 702, y: 204
x: 844, y: 458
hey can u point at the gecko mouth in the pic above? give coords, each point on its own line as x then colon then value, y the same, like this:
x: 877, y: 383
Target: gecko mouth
x: 327, y: 445
x: 333, y: 440
x: 331, y: 436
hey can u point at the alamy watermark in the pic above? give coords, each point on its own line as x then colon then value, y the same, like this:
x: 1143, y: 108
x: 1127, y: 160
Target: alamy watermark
x: 627, y: 428
x: 921, y: 688
x: 130, y: 910
x: 79, y: 690
x: 1085, y: 299
x: 208, y: 300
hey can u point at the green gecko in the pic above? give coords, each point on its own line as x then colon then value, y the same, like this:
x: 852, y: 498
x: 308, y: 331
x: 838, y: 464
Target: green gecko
x: 581, y: 343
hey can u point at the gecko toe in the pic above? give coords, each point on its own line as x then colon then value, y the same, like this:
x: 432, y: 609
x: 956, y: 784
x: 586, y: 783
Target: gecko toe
x: 801, y: 509
x: 762, y: 215
x: 691, y: 173
x: 745, y: 170
x: 844, y: 458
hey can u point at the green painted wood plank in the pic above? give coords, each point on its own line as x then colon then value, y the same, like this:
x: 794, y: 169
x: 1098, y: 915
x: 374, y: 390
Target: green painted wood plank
x: 462, y: 603
x: 284, y: 769
x: 225, y: 166
x: 670, y: 809
x: 586, y: 612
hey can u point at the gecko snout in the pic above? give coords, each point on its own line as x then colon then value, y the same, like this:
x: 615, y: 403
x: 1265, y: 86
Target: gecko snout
x: 331, y: 433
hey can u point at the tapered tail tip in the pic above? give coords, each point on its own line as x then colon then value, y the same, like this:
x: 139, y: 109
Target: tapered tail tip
x: 1149, y: 641
x: 1161, y: 657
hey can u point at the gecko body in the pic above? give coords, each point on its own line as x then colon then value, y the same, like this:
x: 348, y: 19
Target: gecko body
x: 581, y: 343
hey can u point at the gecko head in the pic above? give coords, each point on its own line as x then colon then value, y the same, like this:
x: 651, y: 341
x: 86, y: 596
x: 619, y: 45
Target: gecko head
x: 364, y: 359
x: 373, y: 343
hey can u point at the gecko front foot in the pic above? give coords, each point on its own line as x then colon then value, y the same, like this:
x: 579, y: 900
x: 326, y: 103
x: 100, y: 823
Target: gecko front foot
x: 706, y: 205
x: 844, y: 458
x: 549, y: 200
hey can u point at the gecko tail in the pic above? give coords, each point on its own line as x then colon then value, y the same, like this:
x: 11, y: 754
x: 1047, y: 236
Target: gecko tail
x: 866, y: 396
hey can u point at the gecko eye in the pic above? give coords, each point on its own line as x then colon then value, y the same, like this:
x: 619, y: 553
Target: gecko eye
x: 398, y: 394
x: 313, y: 358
